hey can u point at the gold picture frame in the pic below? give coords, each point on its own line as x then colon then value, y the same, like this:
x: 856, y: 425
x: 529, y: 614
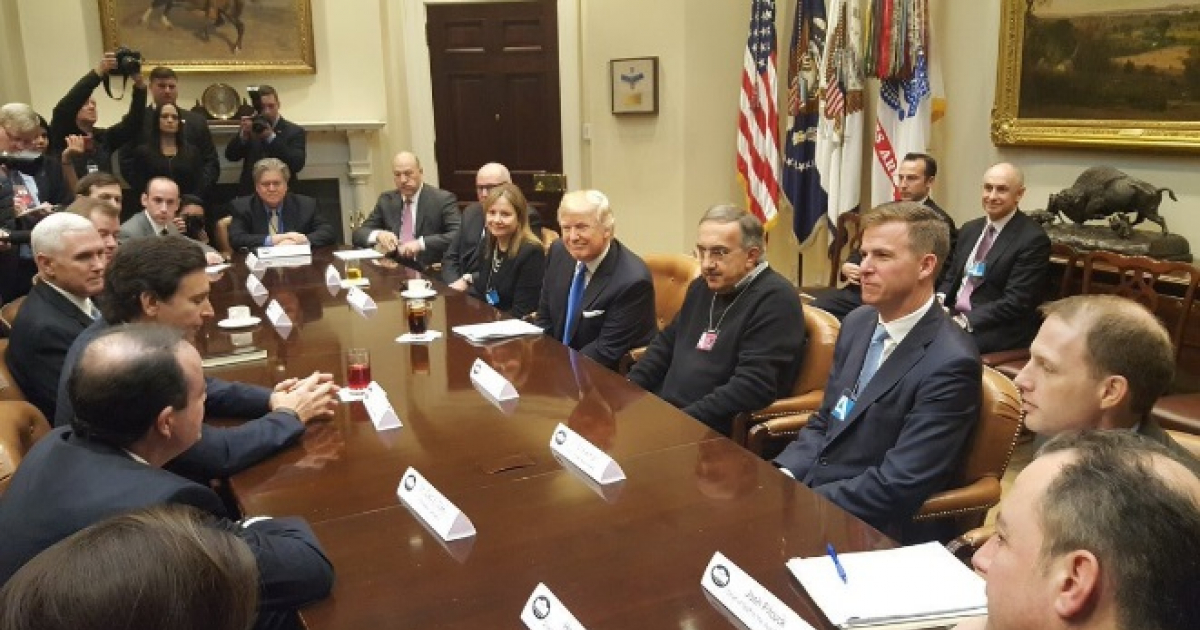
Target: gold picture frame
x: 1096, y: 99
x: 200, y: 35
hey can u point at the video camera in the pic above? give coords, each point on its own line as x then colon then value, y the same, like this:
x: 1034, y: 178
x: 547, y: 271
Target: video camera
x: 26, y: 162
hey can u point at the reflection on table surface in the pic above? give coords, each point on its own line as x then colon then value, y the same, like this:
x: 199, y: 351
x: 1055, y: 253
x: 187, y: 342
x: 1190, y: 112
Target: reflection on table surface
x: 619, y: 556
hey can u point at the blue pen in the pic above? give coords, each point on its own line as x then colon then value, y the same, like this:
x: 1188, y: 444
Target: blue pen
x: 836, y: 563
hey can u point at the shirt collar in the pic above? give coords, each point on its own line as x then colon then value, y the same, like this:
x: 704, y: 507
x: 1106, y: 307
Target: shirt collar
x: 999, y: 225
x: 84, y: 304
x: 415, y: 197
x: 899, y: 328
x: 593, y: 265
x: 157, y: 228
x: 135, y: 457
x: 745, y: 282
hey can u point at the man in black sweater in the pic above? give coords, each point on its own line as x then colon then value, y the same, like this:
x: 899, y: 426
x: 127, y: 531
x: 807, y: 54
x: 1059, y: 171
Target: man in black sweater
x: 738, y: 341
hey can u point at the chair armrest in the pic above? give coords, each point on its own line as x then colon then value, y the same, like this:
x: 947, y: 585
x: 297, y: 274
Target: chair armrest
x: 994, y: 359
x: 967, y: 544
x: 769, y: 437
x: 982, y: 494
x: 802, y: 405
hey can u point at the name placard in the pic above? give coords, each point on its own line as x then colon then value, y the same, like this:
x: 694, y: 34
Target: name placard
x: 285, y: 251
x: 383, y: 416
x: 255, y: 286
x: 594, y: 462
x: 332, y: 277
x: 432, y: 507
x: 742, y: 595
x: 251, y: 261
x: 490, y: 382
x: 544, y: 611
x: 279, y: 319
x: 360, y: 301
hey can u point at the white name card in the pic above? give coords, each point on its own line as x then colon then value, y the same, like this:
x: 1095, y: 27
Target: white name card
x: 279, y: 319
x: 332, y: 277
x: 251, y: 261
x: 255, y: 286
x: 743, y: 596
x: 285, y: 251
x: 544, y: 611
x: 490, y: 382
x: 383, y: 416
x: 433, y: 507
x: 594, y: 462
x: 360, y: 301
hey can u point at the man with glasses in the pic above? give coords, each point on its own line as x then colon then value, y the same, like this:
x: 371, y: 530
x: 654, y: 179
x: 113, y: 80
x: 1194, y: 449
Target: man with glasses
x: 462, y: 257
x: 415, y: 223
x: 597, y: 295
x: 273, y: 216
x: 738, y: 341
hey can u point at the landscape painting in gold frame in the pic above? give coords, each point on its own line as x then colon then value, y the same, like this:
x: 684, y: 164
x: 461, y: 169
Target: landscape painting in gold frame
x: 1113, y: 74
x: 201, y: 35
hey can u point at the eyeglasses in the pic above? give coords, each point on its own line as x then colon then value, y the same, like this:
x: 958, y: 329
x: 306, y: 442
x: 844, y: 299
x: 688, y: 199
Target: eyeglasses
x: 715, y: 254
x: 484, y: 189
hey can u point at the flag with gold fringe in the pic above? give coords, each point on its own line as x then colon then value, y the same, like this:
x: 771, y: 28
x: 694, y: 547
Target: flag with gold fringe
x: 801, y: 181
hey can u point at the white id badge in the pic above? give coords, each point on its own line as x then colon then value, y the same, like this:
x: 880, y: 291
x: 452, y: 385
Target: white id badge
x: 844, y: 406
x: 976, y: 270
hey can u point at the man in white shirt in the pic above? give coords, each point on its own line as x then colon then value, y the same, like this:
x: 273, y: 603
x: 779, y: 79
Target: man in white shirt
x: 415, y: 222
x: 160, y: 216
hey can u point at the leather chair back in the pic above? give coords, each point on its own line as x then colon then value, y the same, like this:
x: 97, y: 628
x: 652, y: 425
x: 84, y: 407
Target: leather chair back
x: 8, y: 315
x: 222, y: 237
x: 21, y: 424
x: 8, y: 387
x: 672, y: 274
x: 822, y: 330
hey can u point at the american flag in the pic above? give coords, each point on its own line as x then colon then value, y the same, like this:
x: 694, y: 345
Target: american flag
x: 758, y: 120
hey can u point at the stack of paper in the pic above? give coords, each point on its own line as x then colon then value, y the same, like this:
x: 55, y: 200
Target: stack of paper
x: 921, y: 586
x: 497, y: 330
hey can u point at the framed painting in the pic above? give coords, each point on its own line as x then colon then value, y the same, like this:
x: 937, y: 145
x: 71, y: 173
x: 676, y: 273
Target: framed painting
x: 1121, y: 74
x: 634, y: 85
x: 213, y: 35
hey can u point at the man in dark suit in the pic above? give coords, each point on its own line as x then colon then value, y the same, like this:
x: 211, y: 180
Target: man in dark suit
x: 162, y: 281
x: 903, y: 396
x: 416, y: 223
x: 998, y: 274
x: 70, y: 258
x: 914, y: 180
x: 75, y: 114
x: 138, y: 394
x: 273, y: 216
x: 614, y: 310
x: 462, y: 256
x: 277, y: 138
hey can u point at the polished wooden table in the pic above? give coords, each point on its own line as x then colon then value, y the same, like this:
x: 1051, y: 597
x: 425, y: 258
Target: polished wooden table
x: 625, y: 555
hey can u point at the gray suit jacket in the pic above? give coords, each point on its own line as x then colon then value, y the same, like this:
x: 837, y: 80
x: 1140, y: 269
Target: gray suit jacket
x: 438, y: 221
x: 139, y: 226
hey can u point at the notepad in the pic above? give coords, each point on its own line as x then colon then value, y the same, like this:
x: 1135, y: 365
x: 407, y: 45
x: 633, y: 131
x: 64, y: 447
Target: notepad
x: 917, y: 586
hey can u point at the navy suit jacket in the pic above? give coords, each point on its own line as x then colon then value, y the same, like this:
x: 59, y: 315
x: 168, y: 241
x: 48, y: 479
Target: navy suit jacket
x: 289, y: 145
x: 437, y: 221
x: 251, y: 223
x: 1016, y: 272
x: 67, y: 483
x: 619, y: 297
x: 903, y: 438
x: 46, y: 326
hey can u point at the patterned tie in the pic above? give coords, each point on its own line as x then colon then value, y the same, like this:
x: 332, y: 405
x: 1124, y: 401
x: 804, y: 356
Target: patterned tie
x: 164, y: 232
x: 963, y: 303
x: 874, y: 358
x: 273, y: 226
x: 574, y: 301
x: 406, y: 222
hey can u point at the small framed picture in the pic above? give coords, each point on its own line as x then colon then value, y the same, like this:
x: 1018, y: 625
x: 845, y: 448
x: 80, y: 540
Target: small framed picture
x: 634, y: 85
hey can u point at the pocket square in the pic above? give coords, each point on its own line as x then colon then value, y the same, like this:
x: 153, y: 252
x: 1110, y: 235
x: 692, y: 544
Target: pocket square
x: 591, y: 314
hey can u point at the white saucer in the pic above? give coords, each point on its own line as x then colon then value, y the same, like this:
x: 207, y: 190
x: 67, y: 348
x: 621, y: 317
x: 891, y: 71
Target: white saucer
x: 427, y: 293
x: 239, y: 323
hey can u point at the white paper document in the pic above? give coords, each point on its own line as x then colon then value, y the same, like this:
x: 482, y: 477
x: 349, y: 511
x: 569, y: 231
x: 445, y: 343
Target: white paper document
x: 432, y: 507
x: 594, y: 462
x: 358, y: 254
x: 746, y: 599
x: 893, y: 586
x: 497, y: 330
x: 490, y: 382
x: 544, y: 611
x: 284, y: 251
x: 425, y: 337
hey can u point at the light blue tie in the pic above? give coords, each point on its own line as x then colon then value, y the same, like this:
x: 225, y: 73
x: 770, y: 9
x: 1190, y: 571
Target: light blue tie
x: 574, y: 301
x: 874, y: 358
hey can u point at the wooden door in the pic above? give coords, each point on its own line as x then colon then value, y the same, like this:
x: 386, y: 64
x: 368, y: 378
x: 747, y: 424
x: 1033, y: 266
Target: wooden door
x: 495, y: 95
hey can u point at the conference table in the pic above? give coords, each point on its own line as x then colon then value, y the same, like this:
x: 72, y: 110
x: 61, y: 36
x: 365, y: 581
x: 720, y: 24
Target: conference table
x: 625, y: 555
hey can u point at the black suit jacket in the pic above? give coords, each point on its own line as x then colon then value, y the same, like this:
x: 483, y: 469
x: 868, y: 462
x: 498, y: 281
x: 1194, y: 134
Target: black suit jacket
x: 67, y: 483
x: 438, y: 221
x: 46, y: 326
x: 462, y: 256
x: 105, y: 142
x: 518, y: 281
x: 196, y: 133
x: 299, y: 213
x: 618, y: 306
x: 1016, y: 272
x: 289, y: 145
x: 905, y: 434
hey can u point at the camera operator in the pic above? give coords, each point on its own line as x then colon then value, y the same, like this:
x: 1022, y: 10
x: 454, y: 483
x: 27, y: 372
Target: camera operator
x: 264, y: 135
x: 76, y: 115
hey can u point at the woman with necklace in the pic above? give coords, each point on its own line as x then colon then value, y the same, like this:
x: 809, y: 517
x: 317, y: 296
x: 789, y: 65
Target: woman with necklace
x: 167, y: 153
x: 513, y: 260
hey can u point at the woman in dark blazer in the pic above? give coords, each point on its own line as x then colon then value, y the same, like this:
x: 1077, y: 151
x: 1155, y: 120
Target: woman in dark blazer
x: 167, y: 153
x: 512, y: 260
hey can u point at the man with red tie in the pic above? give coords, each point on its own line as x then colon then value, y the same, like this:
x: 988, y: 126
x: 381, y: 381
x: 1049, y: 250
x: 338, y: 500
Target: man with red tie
x: 415, y: 222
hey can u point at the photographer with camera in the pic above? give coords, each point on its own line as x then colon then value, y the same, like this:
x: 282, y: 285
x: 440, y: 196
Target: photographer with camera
x: 266, y: 134
x: 76, y: 115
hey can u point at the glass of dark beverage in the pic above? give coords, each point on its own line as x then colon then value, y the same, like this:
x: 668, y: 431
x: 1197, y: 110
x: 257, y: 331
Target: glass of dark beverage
x: 358, y: 368
x: 418, y: 316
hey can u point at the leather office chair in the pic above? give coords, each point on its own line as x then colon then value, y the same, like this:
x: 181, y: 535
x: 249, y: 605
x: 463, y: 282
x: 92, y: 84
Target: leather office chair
x: 822, y: 331
x: 21, y: 424
x: 975, y: 486
x: 672, y: 274
x: 8, y: 387
x: 221, y: 237
x: 8, y: 315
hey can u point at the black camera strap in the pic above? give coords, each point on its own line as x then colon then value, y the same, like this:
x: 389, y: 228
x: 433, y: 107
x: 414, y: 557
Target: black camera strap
x: 108, y: 88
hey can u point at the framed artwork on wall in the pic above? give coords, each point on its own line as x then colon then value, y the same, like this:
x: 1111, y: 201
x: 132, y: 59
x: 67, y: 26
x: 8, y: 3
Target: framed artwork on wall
x: 1099, y: 73
x: 213, y: 35
x: 634, y: 85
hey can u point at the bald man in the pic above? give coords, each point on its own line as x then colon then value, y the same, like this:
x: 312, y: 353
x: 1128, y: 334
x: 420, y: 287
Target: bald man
x: 461, y: 257
x: 1000, y: 267
x: 415, y: 223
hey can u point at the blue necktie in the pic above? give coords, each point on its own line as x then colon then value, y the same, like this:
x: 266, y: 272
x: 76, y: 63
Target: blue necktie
x: 574, y: 301
x: 874, y: 358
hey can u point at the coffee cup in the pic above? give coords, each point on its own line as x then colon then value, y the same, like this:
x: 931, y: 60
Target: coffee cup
x: 239, y: 313
x: 419, y: 285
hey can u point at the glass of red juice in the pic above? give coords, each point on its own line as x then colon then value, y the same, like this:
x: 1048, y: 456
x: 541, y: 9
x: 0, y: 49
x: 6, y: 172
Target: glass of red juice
x: 358, y: 368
